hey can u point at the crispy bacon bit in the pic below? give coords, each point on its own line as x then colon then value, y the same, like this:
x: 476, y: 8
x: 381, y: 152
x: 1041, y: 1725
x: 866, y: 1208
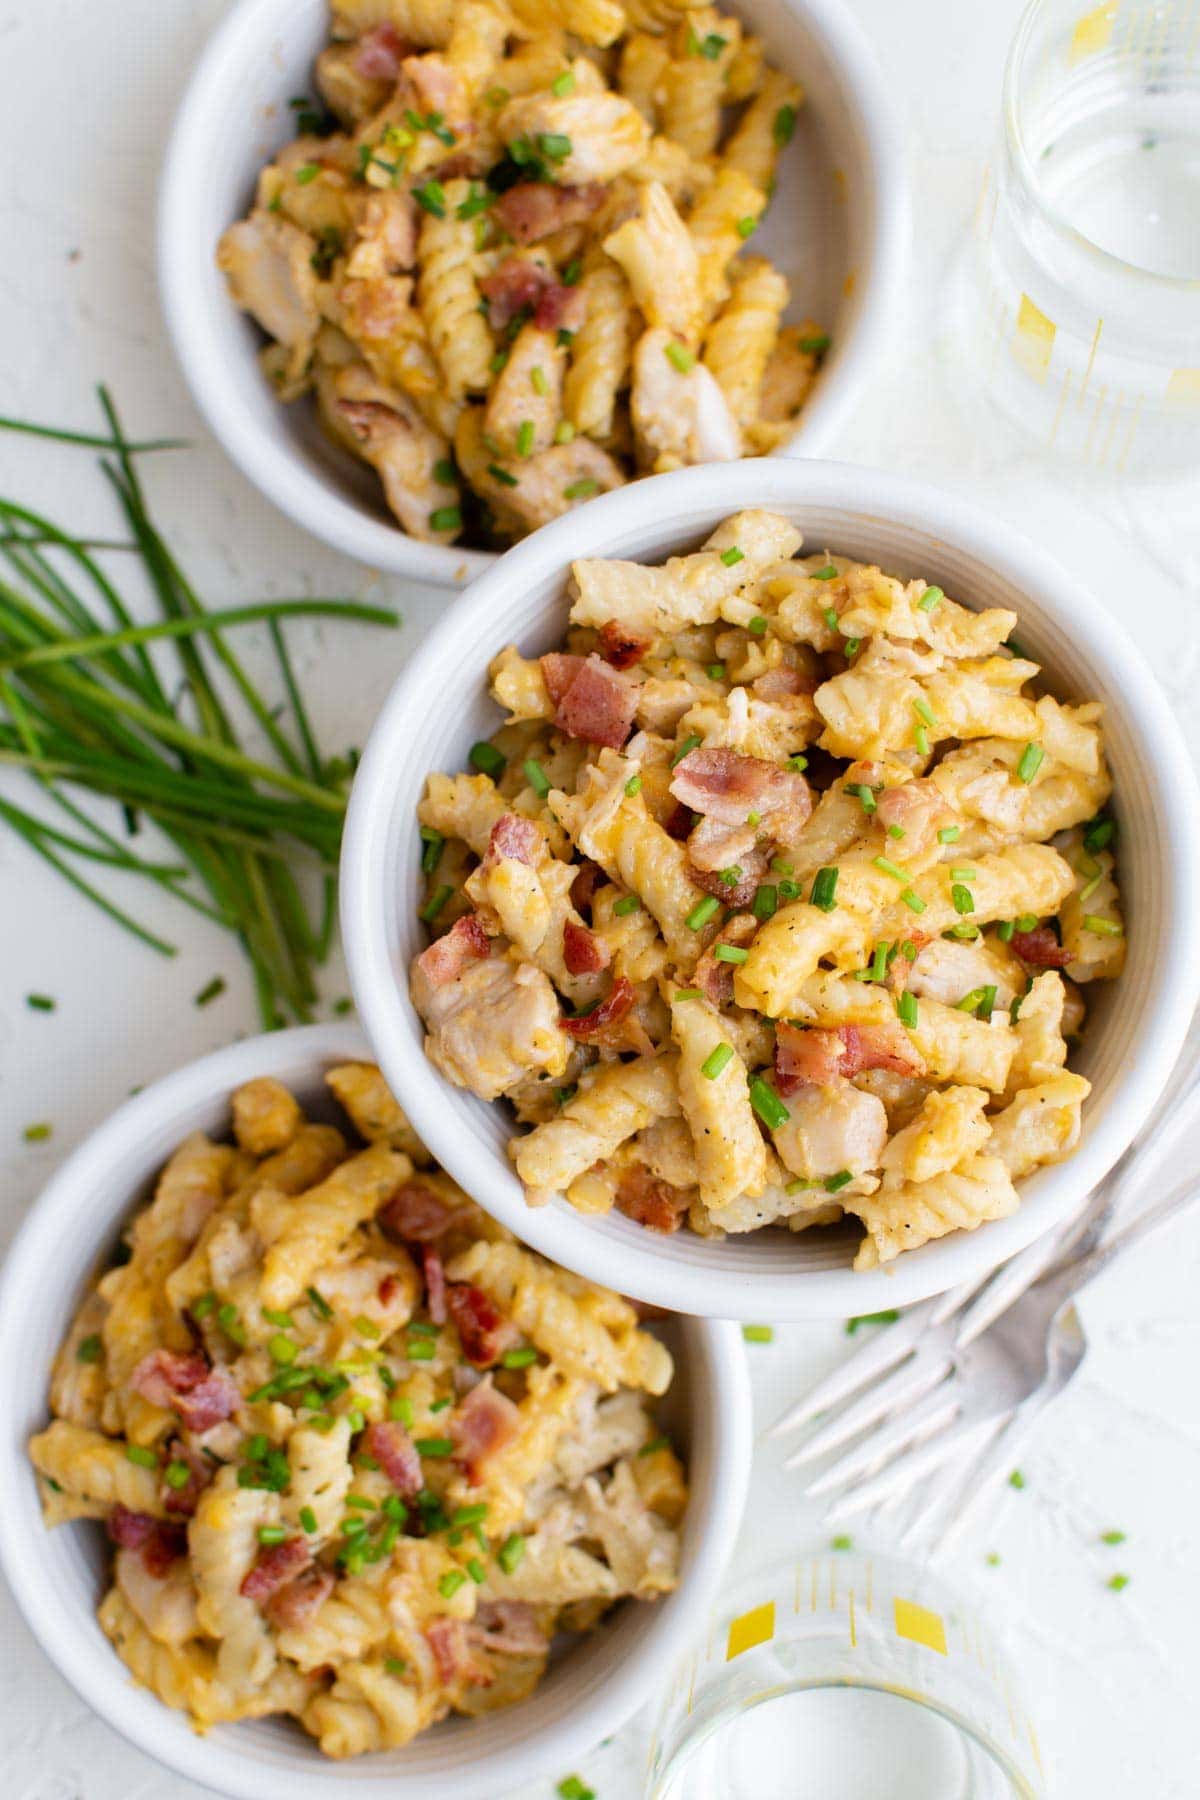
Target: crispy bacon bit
x: 783, y: 683
x: 515, y: 287
x: 160, y: 1544
x: 822, y: 1057
x: 920, y: 811
x: 435, y: 1284
x: 753, y: 864
x: 389, y: 1443
x: 533, y: 209
x: 482, y: 1327
x: 650, y: 1202
x: 583, y: 952
x: 591, y: 700
x: 129, y: 1529
x: 450, y: 1641
x: 715, y: 978
x: 380, y: 53
x: 439, y: 88
x: 202, y: 1396
x: 200, y: 1472
x: 295, y: 1605
x: 481, y: 1426
x: 618, y: 648
x: 508, y: 1627
x: 588, y: 878
x: 417, y: 1213
x: 465, y: 942
x: 1040, y: 948
x: 514, y: 837
x: 387, y: 1290
x: 275, y: 1567
x: 559, y: 308
x: 616, y: 1003
x: 725, y: 785
x: 165, y: 1545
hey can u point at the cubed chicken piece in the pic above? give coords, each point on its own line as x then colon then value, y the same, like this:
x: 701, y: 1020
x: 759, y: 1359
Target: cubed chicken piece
x: 491, y: 1022
x: 384, y: 428
x: 680, y: 415
x: 267, y: 262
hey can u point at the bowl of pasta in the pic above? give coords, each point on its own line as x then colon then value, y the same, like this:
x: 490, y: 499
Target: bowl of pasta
x: 437, y: 274
x: 770, y: 895
x: 314, y: 1474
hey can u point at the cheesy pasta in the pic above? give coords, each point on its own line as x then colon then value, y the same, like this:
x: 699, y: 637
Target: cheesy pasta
x: 774, y: 899
x: 503, y: 253
x: 362, y: 1457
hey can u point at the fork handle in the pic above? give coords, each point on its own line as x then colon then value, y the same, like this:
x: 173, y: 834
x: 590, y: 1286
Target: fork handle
x: 1077, y: 1275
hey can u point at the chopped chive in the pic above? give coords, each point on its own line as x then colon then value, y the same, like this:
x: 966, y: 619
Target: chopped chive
x: 502, y: 475
x: 835, y: 1183
x: 308, y: 1519
x: 758, y: 1334
x: 879, y: 962
x: 564, y: 432
x: 204, y: 1305
x: 536, y: 776
x: 1112, y: 1537
x: 400, y: 1408
x: 435, y: 1446
x: 757, y: 627
x: 628, y: 903
x: 450, y: 1583
x: 718, y: 1058
x: 865, y: 796
x: 487, y: 760
x: 783, y: 126
x: 921, y: 740
x: 499, y: 362
x: 1016, y: 1479
x: 432, y: 197
x: 210, y: 991
x: 1116, y: 1582
x: 887, y: 867
x: 525, y: 437
x: 476, y: 1570
x: 366, y: 1327
x: 229, y: 1319
x: 1101, y: 927
x: 40, y: 1003
x: 731, y: 876
x: 896, y: 831
x: 732, y: 556
x: 799, y: 762
x: 443, y: 472
x: 432, y: 845
x: 1098, y: 833
x: 782, y: 867
x: 680, y: 357
x: 305, y: 173
x: 913, y: 900
x: 360, y: 1503
x: 445, y: 518
x: 949, y: 834
x: 766, y: 899
x: 565, y: 1095
x: 571, y: 275
x: 828, y: 572
x: 1032, y: 758
x: 1027, y: 921
x: 730, y: 953
x: 419, y: 1328
x: 767, y: 1104
x: 510, y: 1552
x: 814, y: 344
x: 581, y: 489
x: 177, y: 1475
x: 963, y: 873
x: 662, y: 1442
x: 687, y: 994
x: 789, y: 890
x: 685, y: 749
x: 138, y: 1453
x: 272, y: 1534
x: 555, y: 146
x: 1006, y: 930
x: 852, y: 647
x: 929, y: 599
x: 319, y: 1303
x: 633, y: 786
x: 887, y: 1317
x: 715, y: 671
x: 537, y: 380
x: 841, y: 1542
x: 824, y: 889
x: 923, y: 709
x: 563, y: 84
x: 519, y: 1359
x: 906, y: 1009
x: 419, y: 1350
x: 702, y: 912
x: 89, y: 1349
x: 908, y: 950
x: 746, y: 227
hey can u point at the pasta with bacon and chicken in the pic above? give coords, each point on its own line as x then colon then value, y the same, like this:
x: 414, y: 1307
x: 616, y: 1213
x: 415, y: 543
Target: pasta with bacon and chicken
x: 773, y: 899
x: 360, y: 1454
x: 505, y: 253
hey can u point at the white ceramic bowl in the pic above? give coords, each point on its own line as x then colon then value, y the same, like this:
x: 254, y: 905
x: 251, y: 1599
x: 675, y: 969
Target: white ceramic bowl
x: 439, y: 706
x: 58, y: 1576
x: 838, y: 229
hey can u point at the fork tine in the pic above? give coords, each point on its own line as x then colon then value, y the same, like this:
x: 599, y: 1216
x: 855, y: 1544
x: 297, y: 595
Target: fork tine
x: 929, y: 1415
x: 999, y: 1458
x: 954, y: 1299
x: 941, y: 1441
x: 1008, y: 1283
x: 908, y: 1383
x: 941, y: 1495
x: 875, y: 1358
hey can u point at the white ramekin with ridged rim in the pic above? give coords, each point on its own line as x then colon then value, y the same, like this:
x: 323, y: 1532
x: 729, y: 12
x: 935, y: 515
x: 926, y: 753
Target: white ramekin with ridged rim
x: 840, y: 220
x: 439, y: 706
x: 58, y: 1576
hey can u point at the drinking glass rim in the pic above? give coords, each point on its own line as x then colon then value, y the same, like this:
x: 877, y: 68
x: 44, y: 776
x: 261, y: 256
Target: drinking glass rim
x: 1024, y: 169
x: 725, y: 1714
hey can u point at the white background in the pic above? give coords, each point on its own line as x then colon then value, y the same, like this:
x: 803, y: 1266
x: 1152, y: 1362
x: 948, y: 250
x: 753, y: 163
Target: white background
x: 88, y: 92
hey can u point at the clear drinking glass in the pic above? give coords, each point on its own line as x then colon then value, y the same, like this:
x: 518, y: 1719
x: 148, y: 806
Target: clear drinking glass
x: 845, y: 1676
x: 1079, y: 299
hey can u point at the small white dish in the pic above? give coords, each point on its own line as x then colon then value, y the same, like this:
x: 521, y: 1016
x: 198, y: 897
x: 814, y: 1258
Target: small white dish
x: 440, y: 706
x: 58, y: 1576
x: 838, y: 228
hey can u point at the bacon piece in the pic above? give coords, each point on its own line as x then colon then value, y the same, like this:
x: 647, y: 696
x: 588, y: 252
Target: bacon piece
x: 515, y: 287
x: 713, y: 977
x: 439, y: 88
x: 483, y: 1328
x: 465, y: 942
x: 508, y: 1627
x: 533, y: 209
x: 435, y: 1284
x: 616, y: 1003
x: 679, y: 821
x: 294, y: 1605
x: 821, y: 1057
x: 618, y: 647
x: 1040, y: 948
x: 482, y: 1425
x: 450, y: 1641
x: 752, y: 864
x: 389, y: 1443
x: 200, y: 1472
x: 417, y: 1213
x: 129, y: 1529
x: 650, y: 1202
x: 591, y: 700
x: 513, y: 837
x: 559, y: 308
x: 583, y: 952
x: 380, y: 53
x: 725, y: 785
x: 275, y: 1567
x: 920, y: 811
x: 783, y: 683
x: 589, y: 877
x: 201, y: 1395
x: 165, y: 1545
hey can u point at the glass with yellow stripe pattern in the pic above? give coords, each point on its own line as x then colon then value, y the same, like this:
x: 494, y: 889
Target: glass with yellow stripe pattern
x: 1078, y: 300
x: 845, y: 1676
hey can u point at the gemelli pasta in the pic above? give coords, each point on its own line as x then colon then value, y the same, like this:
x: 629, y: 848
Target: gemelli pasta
x: 774, y: 900
x: 508, y: 253
x: 361, y: 1456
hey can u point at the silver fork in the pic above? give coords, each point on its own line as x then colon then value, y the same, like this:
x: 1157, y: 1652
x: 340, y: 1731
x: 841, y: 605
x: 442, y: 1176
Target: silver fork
x: 946, y: 1394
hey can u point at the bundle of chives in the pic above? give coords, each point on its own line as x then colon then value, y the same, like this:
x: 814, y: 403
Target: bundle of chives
x: 85, y: 711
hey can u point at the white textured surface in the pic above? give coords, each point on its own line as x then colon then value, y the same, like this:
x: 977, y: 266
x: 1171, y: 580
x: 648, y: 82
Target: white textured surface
x: 88, y: 94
